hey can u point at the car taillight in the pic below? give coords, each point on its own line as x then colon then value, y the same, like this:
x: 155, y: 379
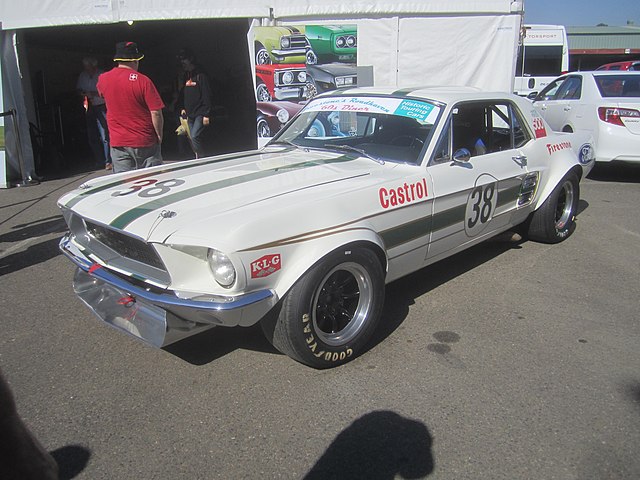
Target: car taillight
x: 614, y: 115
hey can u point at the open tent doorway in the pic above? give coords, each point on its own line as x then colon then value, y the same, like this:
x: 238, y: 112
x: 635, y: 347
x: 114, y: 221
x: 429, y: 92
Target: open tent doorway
x: 53, y: 57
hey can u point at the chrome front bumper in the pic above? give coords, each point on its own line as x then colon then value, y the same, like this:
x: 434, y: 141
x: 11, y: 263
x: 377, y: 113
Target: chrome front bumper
x: 286, y: 93
x: 163, y: 318
x: 291, y: 52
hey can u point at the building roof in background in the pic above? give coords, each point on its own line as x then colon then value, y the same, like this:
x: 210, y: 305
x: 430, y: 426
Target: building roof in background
x: 604, y: 39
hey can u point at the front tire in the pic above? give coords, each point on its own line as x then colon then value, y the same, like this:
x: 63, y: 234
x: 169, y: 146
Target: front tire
x: 262, y: 92
x: 554, y: 221
x: 262, y: 55
x: 311, y: 57
x: 329, y: 315
x: 264, y: 131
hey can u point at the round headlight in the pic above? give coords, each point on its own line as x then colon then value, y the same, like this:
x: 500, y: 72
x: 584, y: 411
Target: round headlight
x: 283, y: 115
x: 302, y: 77
x: 351, y: 41
x: 287, y: 78
x: 223, y: 270
x: 285, y: 42
x: 340, y: 42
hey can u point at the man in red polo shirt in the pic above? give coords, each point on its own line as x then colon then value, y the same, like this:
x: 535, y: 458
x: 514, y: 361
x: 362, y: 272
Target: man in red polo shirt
x: 134, y: 112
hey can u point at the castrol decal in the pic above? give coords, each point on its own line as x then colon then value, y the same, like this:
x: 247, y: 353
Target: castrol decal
x: 402, y: 194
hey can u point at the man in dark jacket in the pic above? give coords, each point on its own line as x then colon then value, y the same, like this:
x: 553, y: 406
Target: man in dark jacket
x: 195, y: 100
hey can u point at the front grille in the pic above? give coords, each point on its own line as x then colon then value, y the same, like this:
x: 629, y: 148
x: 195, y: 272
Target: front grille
x: 125, y: 245
x: 298, y: 41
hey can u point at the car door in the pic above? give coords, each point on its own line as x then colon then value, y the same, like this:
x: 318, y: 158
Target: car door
x: 478, y: 170
x: 559, y: 105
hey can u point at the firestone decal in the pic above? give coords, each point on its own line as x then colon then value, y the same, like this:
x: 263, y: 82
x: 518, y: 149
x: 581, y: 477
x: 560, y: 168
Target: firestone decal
x: 407, y: 193
x: 556, y: 147
x: 265, y: 266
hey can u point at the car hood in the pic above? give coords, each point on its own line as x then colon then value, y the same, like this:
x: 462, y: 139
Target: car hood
x: 336, y: 69
x: 219, y: 196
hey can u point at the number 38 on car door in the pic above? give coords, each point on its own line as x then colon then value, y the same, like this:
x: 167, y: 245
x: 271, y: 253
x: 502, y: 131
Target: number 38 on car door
x: 481, y: 205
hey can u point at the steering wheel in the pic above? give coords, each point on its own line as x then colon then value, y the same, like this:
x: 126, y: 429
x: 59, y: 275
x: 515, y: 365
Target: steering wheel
x: 407, y: 141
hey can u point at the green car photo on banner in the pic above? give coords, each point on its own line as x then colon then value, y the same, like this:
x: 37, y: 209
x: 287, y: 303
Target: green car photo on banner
x: 293, y: 64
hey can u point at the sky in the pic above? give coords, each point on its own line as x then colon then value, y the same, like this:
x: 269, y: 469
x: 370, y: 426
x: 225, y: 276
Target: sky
x: 582, y: 13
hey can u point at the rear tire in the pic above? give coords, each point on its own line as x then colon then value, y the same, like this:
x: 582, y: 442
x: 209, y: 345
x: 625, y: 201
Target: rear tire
x: 329, y: 315
x: 554, y: 221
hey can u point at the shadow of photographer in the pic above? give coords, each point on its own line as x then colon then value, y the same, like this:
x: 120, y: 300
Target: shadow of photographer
x: 377, y: 446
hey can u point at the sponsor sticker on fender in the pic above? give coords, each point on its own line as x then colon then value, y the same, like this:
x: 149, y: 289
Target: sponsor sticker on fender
x: 265, y: 266
x: 538, y: 125
x: 556, y: 147
x: 586, y: 154
x: 402, y: 194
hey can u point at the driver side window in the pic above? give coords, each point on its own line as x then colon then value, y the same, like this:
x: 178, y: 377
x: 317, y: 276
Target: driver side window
x: 571, y: 89
x: 481, y: 128
x: 550, y: 91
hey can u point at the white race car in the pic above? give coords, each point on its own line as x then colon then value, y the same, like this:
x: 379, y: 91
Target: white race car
x: 360, y: 188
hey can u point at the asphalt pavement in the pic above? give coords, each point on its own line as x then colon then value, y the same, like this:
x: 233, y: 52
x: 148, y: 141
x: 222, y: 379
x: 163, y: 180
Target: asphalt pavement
x: 507, y: 361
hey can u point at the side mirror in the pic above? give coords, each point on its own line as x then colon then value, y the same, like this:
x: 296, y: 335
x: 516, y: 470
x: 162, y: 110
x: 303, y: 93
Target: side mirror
x: 462, y: 156
x: 532, y: 96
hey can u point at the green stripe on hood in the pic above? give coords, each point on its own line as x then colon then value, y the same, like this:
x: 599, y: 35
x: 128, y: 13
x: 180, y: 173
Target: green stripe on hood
x: 130, y: 216
x: 172, y: 168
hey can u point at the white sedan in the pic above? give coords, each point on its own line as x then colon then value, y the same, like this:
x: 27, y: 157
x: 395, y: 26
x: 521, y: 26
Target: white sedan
x: 607, y: 103
x: 360, y: 188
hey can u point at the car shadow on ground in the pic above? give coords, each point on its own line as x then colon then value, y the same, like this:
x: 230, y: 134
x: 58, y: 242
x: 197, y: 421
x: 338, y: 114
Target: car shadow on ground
x: 402, y: 293
x: 615, y: 172
x: 219, y: 341
x: 213, y: 344
x: 38, y: 228
x: 380, y: 445
x: 582, y: 206
x: 33, y: 255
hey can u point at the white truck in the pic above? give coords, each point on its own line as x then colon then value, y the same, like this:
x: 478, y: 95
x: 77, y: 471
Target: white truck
x: 542, y: 57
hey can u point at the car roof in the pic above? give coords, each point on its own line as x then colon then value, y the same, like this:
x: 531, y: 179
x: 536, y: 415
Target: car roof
x: 445, y: 94
x: 626, y: 63
x: 600, y: 73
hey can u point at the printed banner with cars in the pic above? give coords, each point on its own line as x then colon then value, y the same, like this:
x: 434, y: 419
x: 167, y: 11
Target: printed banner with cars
x: 296, y: 63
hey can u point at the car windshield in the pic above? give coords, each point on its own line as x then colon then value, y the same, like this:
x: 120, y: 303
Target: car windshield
x: 619, y: 85
x: 381, y: 128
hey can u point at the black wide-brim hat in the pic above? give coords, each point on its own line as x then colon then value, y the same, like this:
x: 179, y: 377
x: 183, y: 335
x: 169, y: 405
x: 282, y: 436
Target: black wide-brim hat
x: 127, y: 52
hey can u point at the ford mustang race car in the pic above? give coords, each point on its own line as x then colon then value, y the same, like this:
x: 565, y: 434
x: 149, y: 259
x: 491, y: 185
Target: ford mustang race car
x: 360, y: 188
